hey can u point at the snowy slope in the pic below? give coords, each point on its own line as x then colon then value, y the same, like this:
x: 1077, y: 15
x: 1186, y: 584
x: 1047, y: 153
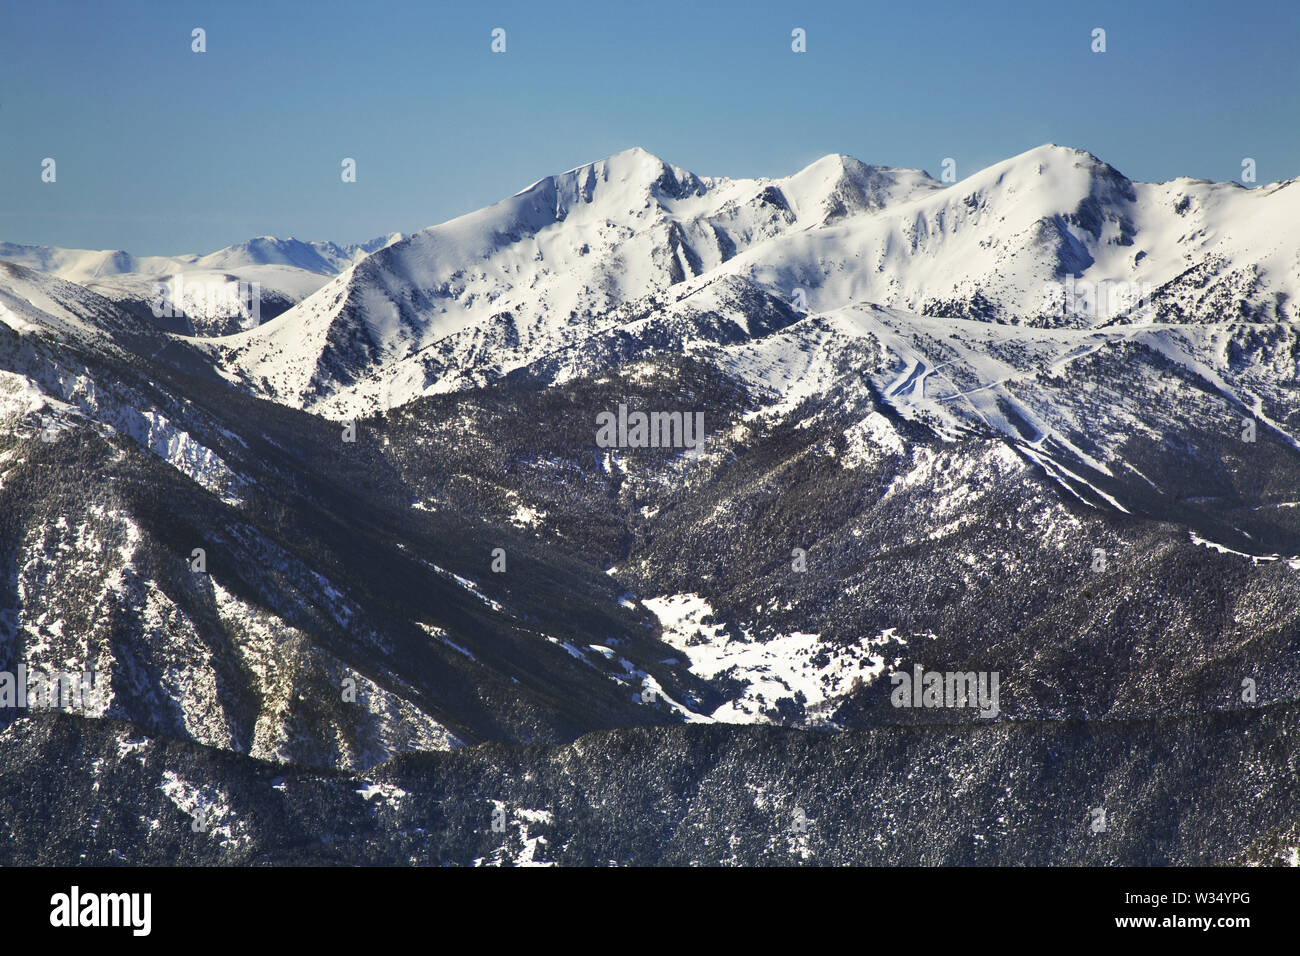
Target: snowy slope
x: 79, y: 265
x: 1002, y: 244
x: 1053, y: 237
x: 282, y: 271
x: 324, y: 258
x: 920, y: 424
x: 545, y: 264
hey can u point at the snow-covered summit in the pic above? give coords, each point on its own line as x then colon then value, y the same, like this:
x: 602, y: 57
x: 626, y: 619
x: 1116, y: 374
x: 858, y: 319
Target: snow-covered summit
x: 549, y: 260
x: 79, y: 265
x: 1052, y: 237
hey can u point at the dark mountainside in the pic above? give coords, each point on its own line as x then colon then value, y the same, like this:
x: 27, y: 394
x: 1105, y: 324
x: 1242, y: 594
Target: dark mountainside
x: 1211, y: 789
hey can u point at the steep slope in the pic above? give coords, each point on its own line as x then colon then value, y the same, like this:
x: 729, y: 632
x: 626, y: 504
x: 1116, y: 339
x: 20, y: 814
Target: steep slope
x: 316, y: 574
x: 540, y: 269
x: 827, y: 533
x: 1054, y: 237
x: 1051, y: 238
x: 922, y: 446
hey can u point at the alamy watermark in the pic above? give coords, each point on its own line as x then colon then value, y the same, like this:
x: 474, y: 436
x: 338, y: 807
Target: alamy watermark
x: 649, y: 429
x: 923, y: 688
x: 50, y: 690
x: 46, y: 428
x: 210, y: 298
x: 128, y: 910
x: 1102, y: 300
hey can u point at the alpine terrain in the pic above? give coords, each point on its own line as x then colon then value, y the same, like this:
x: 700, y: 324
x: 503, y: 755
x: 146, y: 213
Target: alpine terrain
x: 647, y: 517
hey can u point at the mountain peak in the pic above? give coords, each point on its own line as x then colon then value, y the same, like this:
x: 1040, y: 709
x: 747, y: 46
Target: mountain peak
x: 638, y: 165
x: 633, y: 162
x: 1056, y: 149
x: 632, y: 176
x: 1057, y: 156
x: 638, y: 153
x: 838, y: 185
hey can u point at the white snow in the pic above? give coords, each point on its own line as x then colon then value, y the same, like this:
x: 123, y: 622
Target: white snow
x: 769, y: 670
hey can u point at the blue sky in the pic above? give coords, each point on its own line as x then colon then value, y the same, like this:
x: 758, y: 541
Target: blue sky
x: 160, y: 150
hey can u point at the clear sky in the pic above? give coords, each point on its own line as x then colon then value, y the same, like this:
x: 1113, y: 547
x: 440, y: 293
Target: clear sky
x: 161, y: 150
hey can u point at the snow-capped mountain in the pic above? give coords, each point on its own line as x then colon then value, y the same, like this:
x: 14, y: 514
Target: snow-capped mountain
x: 1000, y: 245
x: 205, y: 295
x: 1040, y: 422
x: 1051, y: 238
x: 79, y: 265
x: 537, y: 271
x: 982, y: 299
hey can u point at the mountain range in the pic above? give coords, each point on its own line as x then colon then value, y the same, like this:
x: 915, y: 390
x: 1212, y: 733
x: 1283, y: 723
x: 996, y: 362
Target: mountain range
x: 1039, y: 423
x: 282, y: 272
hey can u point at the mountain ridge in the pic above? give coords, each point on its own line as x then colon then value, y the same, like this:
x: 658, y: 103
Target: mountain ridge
x: 998, y: 245
x: 413, y: 543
